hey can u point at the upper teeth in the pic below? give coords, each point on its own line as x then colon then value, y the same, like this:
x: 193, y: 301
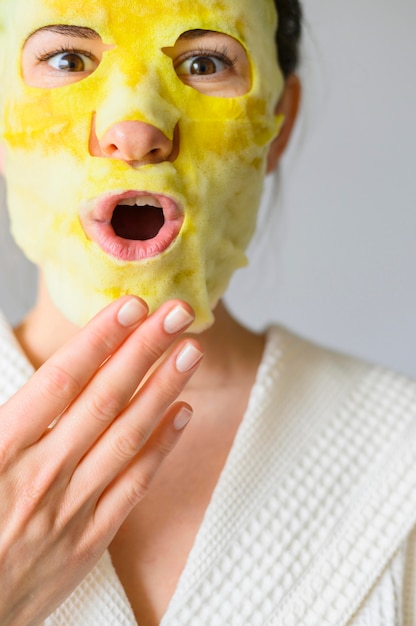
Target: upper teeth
x: 141, y: 201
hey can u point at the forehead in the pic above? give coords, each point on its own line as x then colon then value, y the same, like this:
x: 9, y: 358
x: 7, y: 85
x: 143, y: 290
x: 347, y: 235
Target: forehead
x: 114, y: 19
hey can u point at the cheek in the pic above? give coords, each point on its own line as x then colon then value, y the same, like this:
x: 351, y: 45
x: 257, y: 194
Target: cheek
x: 41, y: 203
x: 48, y: 119
x: 242, y: 125
x: 224, y: 143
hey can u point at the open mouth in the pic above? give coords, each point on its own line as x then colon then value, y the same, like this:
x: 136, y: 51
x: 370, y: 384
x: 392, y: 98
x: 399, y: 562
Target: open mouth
x: 133, y: 225
x: 138, y: 219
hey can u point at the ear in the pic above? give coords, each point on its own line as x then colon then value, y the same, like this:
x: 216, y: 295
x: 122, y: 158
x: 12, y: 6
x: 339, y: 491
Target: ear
x: 287, y: 106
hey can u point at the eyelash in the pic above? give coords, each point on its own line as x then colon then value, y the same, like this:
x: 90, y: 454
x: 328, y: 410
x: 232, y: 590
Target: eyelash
x: 221, y: 55
x: 45, y: 56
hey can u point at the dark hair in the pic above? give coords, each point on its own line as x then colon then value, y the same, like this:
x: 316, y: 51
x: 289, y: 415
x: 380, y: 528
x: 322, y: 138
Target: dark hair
x: 288, y: 34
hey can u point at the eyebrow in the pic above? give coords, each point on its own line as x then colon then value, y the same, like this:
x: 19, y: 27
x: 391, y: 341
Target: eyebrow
x: 81, y: 32
x: 194, y: 34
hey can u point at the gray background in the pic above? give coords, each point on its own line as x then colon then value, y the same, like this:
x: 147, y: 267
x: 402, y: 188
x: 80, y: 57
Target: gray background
x: 334, y: 258
x: 344, y: 250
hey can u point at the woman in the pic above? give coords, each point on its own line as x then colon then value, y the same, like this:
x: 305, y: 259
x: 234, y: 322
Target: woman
x: 144, y: 131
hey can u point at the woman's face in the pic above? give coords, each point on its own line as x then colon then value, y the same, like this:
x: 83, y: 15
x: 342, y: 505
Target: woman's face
x: 136, y: 138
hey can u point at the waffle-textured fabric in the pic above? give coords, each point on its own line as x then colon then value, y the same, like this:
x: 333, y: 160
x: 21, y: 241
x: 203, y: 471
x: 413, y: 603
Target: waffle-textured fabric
x: 312, y: 522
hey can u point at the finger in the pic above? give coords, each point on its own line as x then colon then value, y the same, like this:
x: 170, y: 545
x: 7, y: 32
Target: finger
x: 131, y: 485
x: 59, y: 381
x: 115, y: 383
x: 129, y: 434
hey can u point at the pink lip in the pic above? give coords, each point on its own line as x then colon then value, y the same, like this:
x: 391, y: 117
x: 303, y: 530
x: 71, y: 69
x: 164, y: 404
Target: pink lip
x: 96, y: 223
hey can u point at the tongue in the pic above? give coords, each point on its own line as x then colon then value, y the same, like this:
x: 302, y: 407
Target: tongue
x: 138, y: 223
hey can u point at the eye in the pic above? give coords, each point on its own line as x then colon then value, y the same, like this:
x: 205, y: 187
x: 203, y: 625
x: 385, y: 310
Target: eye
x: 70, y: 61
x: 59, y: 55
x: 213, y: 63
x: 202, y: 65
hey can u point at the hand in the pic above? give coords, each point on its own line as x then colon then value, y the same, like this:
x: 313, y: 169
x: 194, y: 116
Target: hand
x: 66, y: 489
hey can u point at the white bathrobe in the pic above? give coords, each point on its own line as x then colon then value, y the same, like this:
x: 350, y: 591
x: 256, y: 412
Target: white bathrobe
x: 312, y: 522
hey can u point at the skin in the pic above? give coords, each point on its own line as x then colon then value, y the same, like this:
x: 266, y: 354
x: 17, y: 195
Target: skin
x: 70, y: 492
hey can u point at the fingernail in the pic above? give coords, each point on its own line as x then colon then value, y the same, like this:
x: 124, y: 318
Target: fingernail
x: 182, y: 418
x: 178, y: 319
x: 131, y: 312
x: 188, y: 358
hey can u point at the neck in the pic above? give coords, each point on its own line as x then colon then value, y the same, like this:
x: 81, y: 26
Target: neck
x: 227, y: 345
x: 44, y: 329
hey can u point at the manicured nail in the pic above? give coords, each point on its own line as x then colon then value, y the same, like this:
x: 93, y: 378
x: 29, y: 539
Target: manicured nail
x: 182, y: 418
x: 131, y: 312
x: 188, y: 358
x: 178, y: 319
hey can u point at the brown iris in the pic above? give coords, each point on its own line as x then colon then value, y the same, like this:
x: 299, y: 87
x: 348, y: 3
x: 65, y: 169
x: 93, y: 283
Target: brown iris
x: 203, y: 66
x: 71, y: 62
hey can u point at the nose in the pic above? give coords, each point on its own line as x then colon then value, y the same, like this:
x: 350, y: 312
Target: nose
x: 134, y: 142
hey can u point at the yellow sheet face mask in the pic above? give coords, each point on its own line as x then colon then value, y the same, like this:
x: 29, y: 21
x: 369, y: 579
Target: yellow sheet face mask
x: 204, y: 175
